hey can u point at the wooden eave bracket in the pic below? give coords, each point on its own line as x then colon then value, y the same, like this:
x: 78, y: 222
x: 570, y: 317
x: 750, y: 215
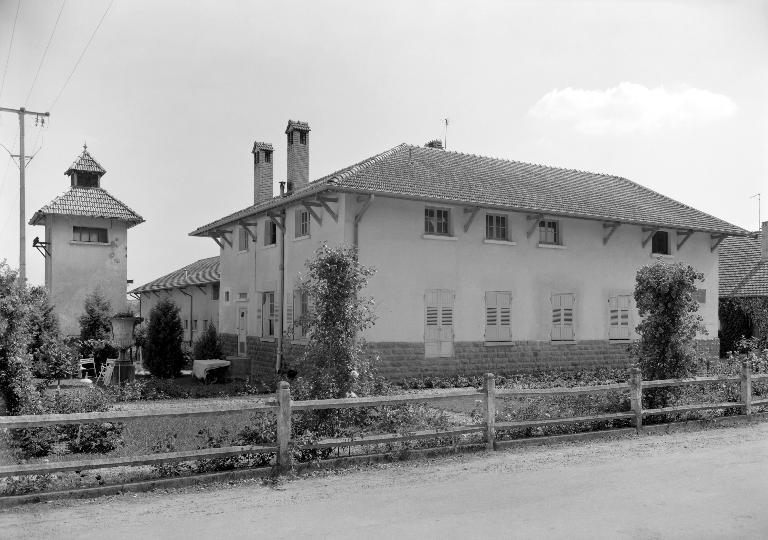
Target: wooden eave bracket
x: 608, y: 230
x: 247, y: 226
x: 309, y: 206
x: 533, y: 223
x: 368, y: 200
x: 472, y: 213
x: 324, y: 202
x: 651, y: 232
x: 202, y: 289
x: 682, y: 238
x: 715, y: 241
x: 278, y: 220
x: 220, y: 233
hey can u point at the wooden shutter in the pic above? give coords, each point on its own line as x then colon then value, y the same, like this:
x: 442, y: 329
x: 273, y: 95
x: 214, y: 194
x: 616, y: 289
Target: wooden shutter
x: 438, y: 323
x: 289, y: 311
x: 618, y: 317
x: 498, y: 314
x: 563, y: 317
x: 446, y: 323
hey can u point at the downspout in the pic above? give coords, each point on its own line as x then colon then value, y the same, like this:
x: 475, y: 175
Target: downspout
x: 281, y: 293
x: 191, y: 305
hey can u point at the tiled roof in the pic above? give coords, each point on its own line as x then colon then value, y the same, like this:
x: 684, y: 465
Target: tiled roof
x: 91, y: 202
x: 86, y: 163
x: 262, y: 146
x: 297, y: 124
x: 198, y: 273
x: 742, y: 273
x: 437, y: 175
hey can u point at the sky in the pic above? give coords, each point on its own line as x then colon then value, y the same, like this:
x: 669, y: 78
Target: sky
x: 171, y: 95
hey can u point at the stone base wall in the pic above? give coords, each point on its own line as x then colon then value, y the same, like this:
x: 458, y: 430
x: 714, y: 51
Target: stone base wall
x: 399, y: 360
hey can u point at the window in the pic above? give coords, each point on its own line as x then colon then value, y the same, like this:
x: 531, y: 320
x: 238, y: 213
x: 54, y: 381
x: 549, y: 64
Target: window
x: 549, y: 232
x: 267, y: 156
x: 226, y: 296
x: 88, y: 234
x: 194, y: 324
x: 270, y: 233
x: 303, y: 137
x: 437, y: 221
x: 186, y: 324
x: 242, y: 243
x: 562, y: 317
x: 660, y: 243
x: 290, y: 138
x: 618, y: 316
x: 242, y: 296
x: 256, y: 156
x: 269, y: 319
x: 438, y: 323
x: 215, y: 291
x: 205, y: 324
x: 495, y: 227
x: 299, y: 313
x: 498, y: 310
x: 302, y: 223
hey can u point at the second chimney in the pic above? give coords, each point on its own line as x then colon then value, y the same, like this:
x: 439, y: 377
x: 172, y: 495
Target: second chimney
x: 764, y: 241
x: 262, y: 172
x: 298, y: 154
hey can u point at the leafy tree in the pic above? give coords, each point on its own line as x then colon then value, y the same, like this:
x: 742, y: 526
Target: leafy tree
x: 208, y: 345
x: 664, y: 294
x: 164, y: 357
x: 333, y: 364
x: 55, y: 360
x: 434, y: 143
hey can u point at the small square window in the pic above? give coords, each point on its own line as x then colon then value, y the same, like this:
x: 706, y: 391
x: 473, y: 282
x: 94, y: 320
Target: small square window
x: 302, y: 137
x: 660, y: 243
x: 437, y: 221
x: 495, y: 227
x: 242, y: 296
x: 270, y: 233
x: 549, y: 232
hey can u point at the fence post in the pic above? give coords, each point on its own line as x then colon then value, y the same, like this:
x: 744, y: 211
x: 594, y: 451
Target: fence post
x: 746, y: 386
x: 283, y: 426
x: 490, y: 410
x: 636, y: 396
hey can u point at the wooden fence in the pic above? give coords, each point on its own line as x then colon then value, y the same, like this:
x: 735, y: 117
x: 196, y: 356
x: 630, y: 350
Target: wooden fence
x: 283, y: 407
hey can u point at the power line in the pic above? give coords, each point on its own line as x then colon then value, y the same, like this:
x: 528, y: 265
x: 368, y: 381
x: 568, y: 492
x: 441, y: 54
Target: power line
x: 45, y: 52
x: 81, y: 55
x: 10, y: 47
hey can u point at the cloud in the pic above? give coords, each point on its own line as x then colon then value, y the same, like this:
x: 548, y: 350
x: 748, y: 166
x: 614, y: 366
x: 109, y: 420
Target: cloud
x: 631, y: 108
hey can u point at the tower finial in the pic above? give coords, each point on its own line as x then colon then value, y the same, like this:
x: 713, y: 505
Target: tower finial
x: 85, y: 146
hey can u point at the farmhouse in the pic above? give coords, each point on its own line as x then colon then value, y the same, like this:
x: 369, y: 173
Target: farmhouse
x: 194, y: 288
x: 85, y: 243
x: 483, y: 264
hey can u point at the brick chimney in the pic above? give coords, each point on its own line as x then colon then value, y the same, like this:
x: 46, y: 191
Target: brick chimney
x: 262, y: 172
x: 764, y: 241
x: 298, y: 154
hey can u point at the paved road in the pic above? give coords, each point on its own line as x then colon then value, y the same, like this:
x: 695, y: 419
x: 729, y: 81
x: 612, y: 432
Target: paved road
x: 708, y: 484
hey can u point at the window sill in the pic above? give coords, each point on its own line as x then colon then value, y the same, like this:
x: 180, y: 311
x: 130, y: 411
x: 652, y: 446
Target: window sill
x: 497, y: 343
x: 552, y: 246
x: 621, y: 340
x: 499, y: 242
x: 300, y: 238
x: 267, y: 339
x: 240, y: 252
x: 78, y: 243
x: 563, y: 342
x: 438, y: 237
x: 662, y: 256
x: 269, y: 246
x: 242, y: 300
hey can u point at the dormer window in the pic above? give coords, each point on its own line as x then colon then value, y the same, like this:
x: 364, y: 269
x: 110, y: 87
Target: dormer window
x: 302, y: 137
x: 267, y: 156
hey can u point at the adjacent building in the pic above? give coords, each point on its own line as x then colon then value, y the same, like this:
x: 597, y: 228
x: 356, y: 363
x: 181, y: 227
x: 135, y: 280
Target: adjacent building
x: 85, y: 243
x: 483, y: 264
x: 194, y: 288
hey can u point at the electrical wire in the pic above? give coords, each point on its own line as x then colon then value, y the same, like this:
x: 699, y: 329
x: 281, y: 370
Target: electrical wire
x: 10, y: 48
x: 45, y: 52
x: 81, y: 55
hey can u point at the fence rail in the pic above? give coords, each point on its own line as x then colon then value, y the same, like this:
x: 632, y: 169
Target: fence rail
x: 283, y: 407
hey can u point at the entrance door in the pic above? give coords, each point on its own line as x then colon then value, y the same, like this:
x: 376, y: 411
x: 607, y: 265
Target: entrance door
x: 242, y: 330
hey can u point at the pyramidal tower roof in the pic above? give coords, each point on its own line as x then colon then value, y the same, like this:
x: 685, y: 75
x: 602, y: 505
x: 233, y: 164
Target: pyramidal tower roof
x: 86, y: 163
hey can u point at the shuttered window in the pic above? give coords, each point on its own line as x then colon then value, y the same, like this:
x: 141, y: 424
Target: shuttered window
x: 563, y: 317
x: 270, y: 233
x: 302, y: 223
x: 269, y: 315
x: 438, y: 324
x: 618, y: 316
x: 298, y: 313
x: 242, y: 243
x: 498, y: 310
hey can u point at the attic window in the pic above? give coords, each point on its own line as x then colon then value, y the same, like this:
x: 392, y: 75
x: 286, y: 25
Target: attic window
x: 89, y: 234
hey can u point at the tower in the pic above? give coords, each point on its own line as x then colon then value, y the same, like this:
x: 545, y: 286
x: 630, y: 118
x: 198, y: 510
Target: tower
x: 86, y: 244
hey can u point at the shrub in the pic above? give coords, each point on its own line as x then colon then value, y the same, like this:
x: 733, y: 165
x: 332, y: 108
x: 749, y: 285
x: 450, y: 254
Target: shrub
x: 664, y: 294
x: 56, y: 360
x: 208, y: 345
x: 164, y: 356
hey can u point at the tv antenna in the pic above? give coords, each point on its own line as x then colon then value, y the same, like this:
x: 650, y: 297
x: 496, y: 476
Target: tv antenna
x: 759, y: 218
x: 445, y: 134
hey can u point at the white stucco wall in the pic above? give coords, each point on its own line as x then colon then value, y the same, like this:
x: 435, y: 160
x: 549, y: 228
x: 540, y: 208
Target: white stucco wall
x: 204, y: 307
x: 76, y: 269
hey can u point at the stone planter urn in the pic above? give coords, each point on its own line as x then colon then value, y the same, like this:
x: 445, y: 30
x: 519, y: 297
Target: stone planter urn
x: 122, y: 336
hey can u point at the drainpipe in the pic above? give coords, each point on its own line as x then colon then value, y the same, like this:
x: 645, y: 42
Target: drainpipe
x: 281, y: 292
x: 191, y: 305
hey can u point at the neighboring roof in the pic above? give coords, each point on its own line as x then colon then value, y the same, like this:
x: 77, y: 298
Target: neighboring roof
x: 742, y: 273
x: 262, y: 146
x: 86, y: 163
x: 198, y: 273
x: 88, y: 201
x: 432, y: 174
x: 297, y: 124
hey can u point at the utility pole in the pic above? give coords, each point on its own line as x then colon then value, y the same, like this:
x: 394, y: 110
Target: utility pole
x: 22, y: 112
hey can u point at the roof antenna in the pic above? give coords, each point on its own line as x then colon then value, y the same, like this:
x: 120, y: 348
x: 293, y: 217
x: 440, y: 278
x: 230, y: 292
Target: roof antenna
x: 445, y: 136
x: 759, y: 219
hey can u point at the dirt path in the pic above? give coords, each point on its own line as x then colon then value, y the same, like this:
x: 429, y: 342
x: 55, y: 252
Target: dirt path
x: 708, y: 484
